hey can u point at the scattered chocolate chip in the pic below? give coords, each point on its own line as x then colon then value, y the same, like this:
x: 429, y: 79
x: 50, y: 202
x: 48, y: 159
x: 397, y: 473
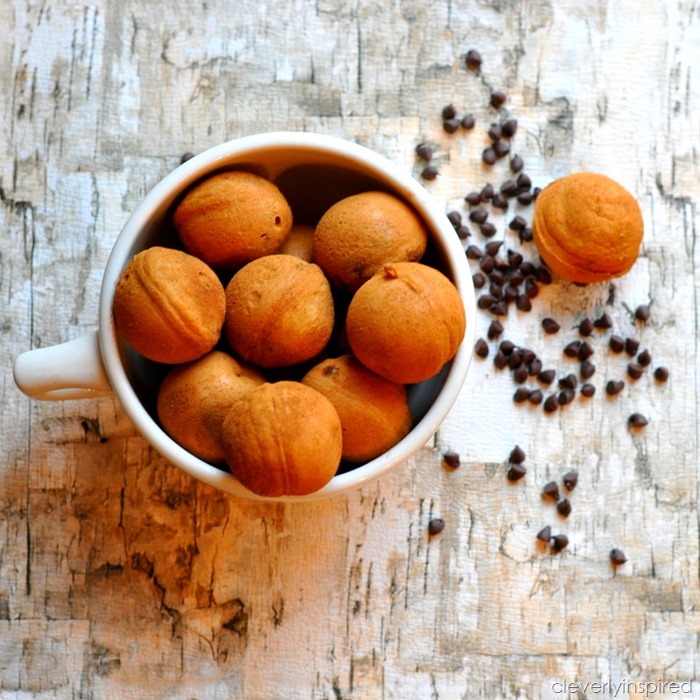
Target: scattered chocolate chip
x: 516, y: 472
x: 506, y: 347
x: 585, y: 328
x: 572, y: 349
x: 525, y: 235
x: 481, y: 348
x: 473, y: 59
x: 616, y: 343
x: 523, y: 302
x: 617, y: 557
x: 449, y: 111
x: 545, y: 534
x: 473, y: 198
x: 527, y: 268
x: 517, y: 455
x: 603, y: 321
x: 642, y: 312
x: 487, y: 264
x: 451, y: 125
x: 436, y: 526
x: 564, y: 507
x: 500, y: 361
x: 570, y: 480
x: 186, y: 156
x: 515, y: 358
x: 473, y: 252
x: 521, y: 395
x: 509, y: 127
x: 520, y: 376
x: 495, y: 329
x: 479, y: 280
x: 523, y: 181
x: 525, y: 198
x: 560, y: 542
x: 451, y: 459
x: 493, y: 247
x: 551, y: 490
x: 551, y: 403
x: 661, y: 374
x: 550, y: 326
x: 534, y: 366
x: 585, y: 351
x: 516, y: 164
x: 498, y: 99
x: 536, y: 397
x: 631, y: 346
x: 478, y: 216
x: 644, y: 358
x: 509, y: 188
x: 543, y: 275
x: 587, y: 370
x: 517, y: 223
x: 489, y: 155
x: 547, y: 376
x: 463, y: 232
x: 565, y: 397
x: 637, y: 420
x: 486, y: 193
x: 515, y: 259
x: 500, y: 202
x: 429, y: 172
x: 501, y: 148
x: 494, y: 132
x: 568, y: 382
x: 532, y: 289
x: 614, y: 387
x: 634, y: 371
x: 468, y: 122
x: 424, y: 151
x: 454, y: 217
x: 587, y: 390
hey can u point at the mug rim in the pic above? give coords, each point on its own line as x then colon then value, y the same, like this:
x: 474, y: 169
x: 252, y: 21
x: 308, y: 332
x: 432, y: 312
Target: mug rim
x: 176, y: 182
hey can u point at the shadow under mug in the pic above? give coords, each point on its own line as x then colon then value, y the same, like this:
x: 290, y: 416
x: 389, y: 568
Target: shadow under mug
x: 313, y: 171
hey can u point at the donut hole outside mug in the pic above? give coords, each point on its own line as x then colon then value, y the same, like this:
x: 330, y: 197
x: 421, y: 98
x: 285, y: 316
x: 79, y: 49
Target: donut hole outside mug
x: 313, y: 171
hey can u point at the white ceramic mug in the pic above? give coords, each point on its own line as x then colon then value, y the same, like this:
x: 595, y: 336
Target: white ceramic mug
x: 313, y: 171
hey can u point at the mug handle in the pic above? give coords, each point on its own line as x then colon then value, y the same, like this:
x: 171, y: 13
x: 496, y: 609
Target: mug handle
x: 72, y: 370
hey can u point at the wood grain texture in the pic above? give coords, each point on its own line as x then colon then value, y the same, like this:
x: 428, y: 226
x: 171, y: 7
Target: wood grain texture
x: 120, y: 577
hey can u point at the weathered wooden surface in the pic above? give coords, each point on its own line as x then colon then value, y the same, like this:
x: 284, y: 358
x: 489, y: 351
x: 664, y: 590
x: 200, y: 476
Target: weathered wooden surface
x: 122, y: 578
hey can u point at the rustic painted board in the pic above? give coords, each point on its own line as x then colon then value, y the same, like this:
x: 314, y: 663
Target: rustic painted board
x: 120, y: 577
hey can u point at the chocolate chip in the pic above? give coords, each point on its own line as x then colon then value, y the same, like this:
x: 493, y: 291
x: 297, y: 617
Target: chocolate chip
x: 473, y: 59
x: 516, y: 164
x: 585, y: 328
x: 517, y: 223
x: 572, y: 349
x: 493, y: 247
x: 473, y: 252
x: 478, y: 216
x: 498, y: 99
x: 525, y: 235
x: 550, y: 326
x: 614, y: 387
x: 568, y: 382
x: 565, y: 397
x: 486, y: 193
x: 642, y: 312
x: 560, y: 542
x: 430, y: 172
x: 644, y: 358
x: 564, y: 507
x: 515, y: 259
x: 487, y: 230
x: 436, y: 526
x: 473, y: 198
x: 463, y: 232
x: 587, y: 370
x: 494, y: 132
x: 545, y: 534
x: 481, y: 348
x: 506, y: 347
x: 489, y: 156
x: 547, y: 376
x: 523, y: 181
x: 495, y: 329
x: 515, y: 358
x: 585, y: 351
x: 523, y: 302
x: 616, y: 343
x: 603, y: 321
x: 637, y: 420
x: 186, y: 156
x: 449, y: 111
x: 501, y: 148
x: 532, y: 289
x: 525, y: 198
x: 509, y: 127
x: 424, y: 151
x: 534, y: 366
x: 468, y: 122
x: 517, y: 455
x: 543, y: 275
x: 661, y: 374
x: 551, y: 403
x: 451, y: 459
x: 487, y: 264
x: 500, y: 360
x: 551, y: 490
x: 570, y: 480
x: 587, y: 390
x: 451, y: 125
x: 634, y: 371
x: 527, y: 268
x: 454, y: 217
x: 631, y: 346
x: 509, y: 188
x: 516, y: 472
x: 520, y: 376
x: 479, y: 280
x: 536, y: 397
x: 500, y: 202
x: 521, y: 395
x: 617, y: 557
